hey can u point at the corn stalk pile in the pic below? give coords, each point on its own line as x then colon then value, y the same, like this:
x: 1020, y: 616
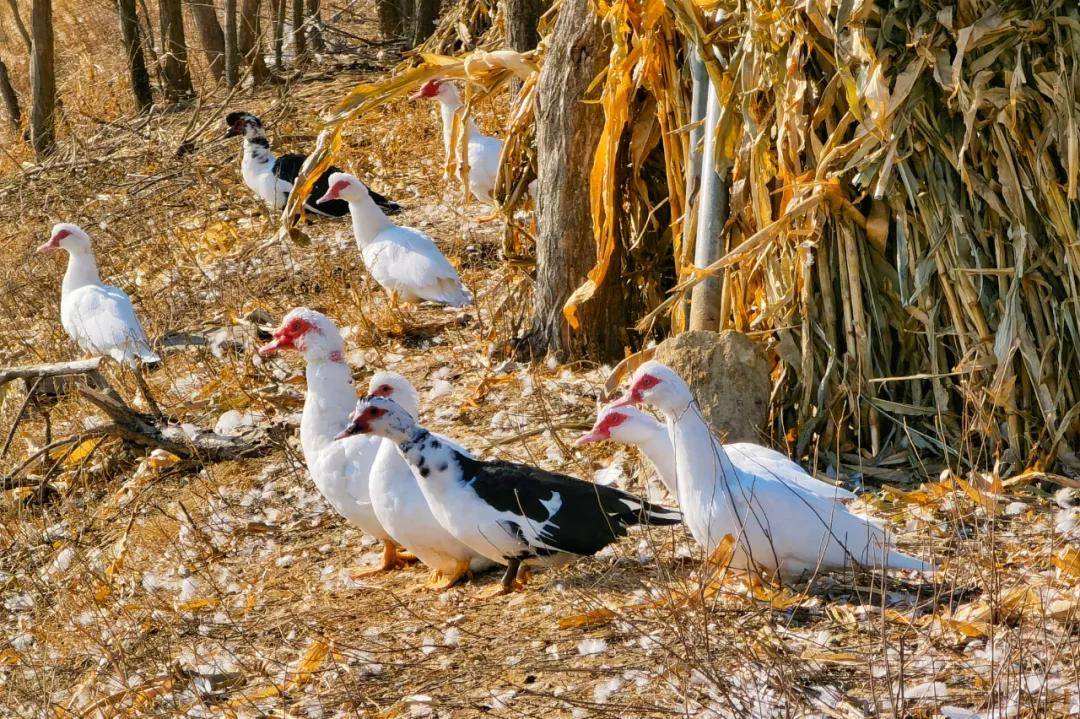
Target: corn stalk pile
x: 904, y: 206
x: 904, y: 218
x: 904, y: 210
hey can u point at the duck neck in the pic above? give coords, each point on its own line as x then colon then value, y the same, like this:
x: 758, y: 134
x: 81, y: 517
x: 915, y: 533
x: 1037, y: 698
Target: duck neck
x: 661, y: 455
x: 258, y: 160
x: 701, y: 463
x: 330, y: 398
x: 447, y: 108
x: 367, y: 220
x: 82, y: 270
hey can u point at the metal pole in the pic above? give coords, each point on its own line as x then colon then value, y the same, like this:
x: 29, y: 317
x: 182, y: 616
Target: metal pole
x: 712, y: 213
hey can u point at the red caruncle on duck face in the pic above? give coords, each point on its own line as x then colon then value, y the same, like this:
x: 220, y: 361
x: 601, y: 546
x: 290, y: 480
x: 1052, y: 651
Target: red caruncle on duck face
x: 383, y: 390
x: 602, y: 430
x: 290, y: 336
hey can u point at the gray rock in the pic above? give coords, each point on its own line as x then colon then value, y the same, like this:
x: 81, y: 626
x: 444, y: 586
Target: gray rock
x: 729, y: 376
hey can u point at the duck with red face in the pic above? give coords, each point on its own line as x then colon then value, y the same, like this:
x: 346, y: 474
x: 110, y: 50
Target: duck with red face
x: 340, y: 470
x: 789, y: 526
x: 483, y: 150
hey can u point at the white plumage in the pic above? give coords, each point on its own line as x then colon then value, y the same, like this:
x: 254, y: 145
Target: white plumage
x: 405, y: 262
x: 98, y: 317
x: 483, y: 151
x: 400, y: 504
x: 778, y: 526
x: 340, y: 470
x: 628, y: 425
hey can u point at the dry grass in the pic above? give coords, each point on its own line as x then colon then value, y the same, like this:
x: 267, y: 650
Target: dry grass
x: 130, y: 591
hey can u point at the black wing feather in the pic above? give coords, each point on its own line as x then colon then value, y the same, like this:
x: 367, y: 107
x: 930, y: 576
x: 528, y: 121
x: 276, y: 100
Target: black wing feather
x: 590, y: 517
x: 287, y: 167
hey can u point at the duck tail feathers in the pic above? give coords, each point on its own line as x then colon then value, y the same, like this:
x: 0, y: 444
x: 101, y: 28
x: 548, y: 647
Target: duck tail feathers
x: 898, y: 560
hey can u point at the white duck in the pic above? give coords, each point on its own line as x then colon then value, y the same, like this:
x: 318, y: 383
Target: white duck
x: 99, y: 317
x: 400, y: 504
x: 483, y: 151
x: 778, y: 526
x: 340, y: 470
x: 404, y: 261
x: 628, y: 425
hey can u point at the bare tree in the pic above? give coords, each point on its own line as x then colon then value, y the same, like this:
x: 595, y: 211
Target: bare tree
x: 567, y: 131
x: 314, y: 25
x: 42, y: 79
x: 249, y: 42
x: 522, y: 17
x: 210, y: 35
x: 425, y: 15
x: 298, y: 39
x: 178, y: 87
x: 279, y: 34
x: 232, y: 49
x: 19, y: 24
x: 391, y: 18
x: 133, y: 48
x: 11, y: 100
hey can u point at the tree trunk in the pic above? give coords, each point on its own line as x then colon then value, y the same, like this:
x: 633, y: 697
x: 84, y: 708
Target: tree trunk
x: 232, y: 52
x: 425, y: 15
x: 522, y: 17
x: 314, y: 25
x: 390, y: 19
x: 133, y: 48
x: 11, y: 100
x: 178, y: 86
x: 249, y: 42
x: 279, y: 35
x: 567, y: 130
x: 298, y: 39
x: 42, y: 79
x: 210, y: 35
x: 19, y: 24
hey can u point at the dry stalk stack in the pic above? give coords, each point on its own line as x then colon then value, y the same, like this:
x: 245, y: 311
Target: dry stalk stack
x: 903, y: 206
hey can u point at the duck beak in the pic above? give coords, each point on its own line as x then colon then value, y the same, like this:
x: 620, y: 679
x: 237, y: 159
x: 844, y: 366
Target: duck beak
x: 327, y: 197
x: 356, y: 426
x: 593, y: 436
x: 278, y: 343
x: 630, y: 398
x: 47, y: 246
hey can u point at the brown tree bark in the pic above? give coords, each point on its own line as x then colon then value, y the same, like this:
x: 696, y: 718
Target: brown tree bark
x: 42, y: 79
x: 425, y: 16
x: 298, y: 39
x: 211, y: 36
x: 314, y: 26
x: 567, y: 130
x: 232, y: 51
x: 391, y: 19
x: 11, y: 100
x: 133, y: 48
x: 178, y: 87
x: 522, y: 18
x: 279, y: 34
x: 249, y: 42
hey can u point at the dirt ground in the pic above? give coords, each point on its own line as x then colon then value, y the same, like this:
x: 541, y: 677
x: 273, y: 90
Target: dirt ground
x: 132, y: 589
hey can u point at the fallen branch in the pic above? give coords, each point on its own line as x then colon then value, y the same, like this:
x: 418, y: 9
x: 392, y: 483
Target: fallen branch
x: 194, y: 448
x: 200, y: 447
x: 57, y: 369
